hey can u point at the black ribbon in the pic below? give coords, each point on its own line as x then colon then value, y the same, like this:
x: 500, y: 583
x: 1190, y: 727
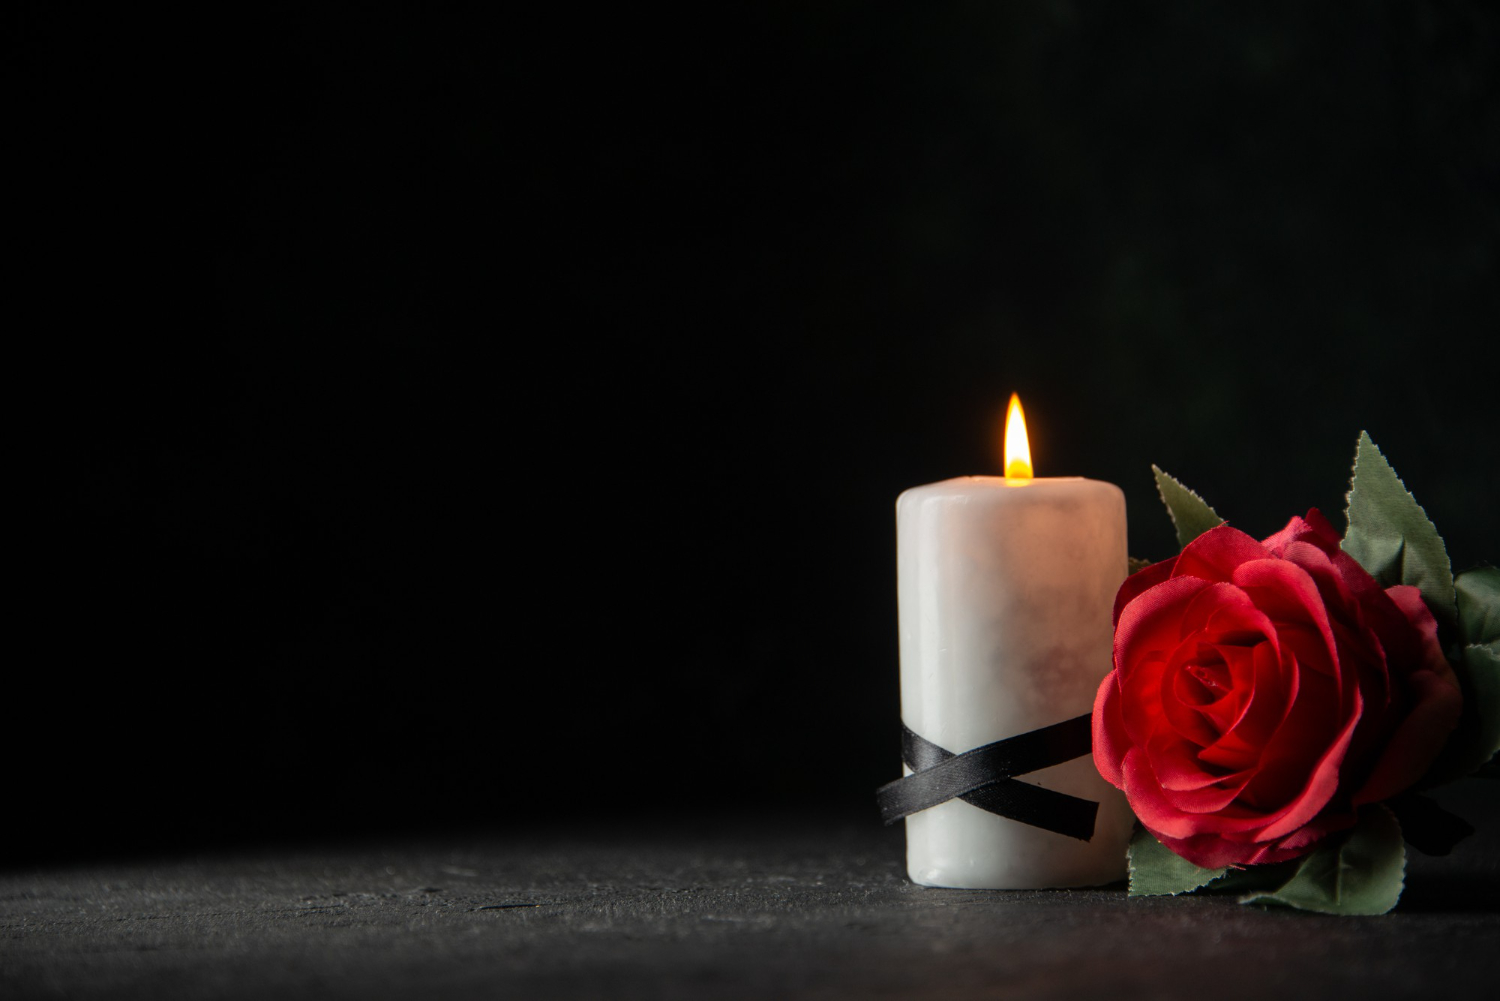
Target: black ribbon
x: 984, y: 777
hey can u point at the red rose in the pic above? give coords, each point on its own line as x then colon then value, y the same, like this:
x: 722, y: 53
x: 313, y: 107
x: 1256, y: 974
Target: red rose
x: 1263, y: 691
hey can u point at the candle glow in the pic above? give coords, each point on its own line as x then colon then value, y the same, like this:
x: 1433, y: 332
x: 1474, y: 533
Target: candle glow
x: 1017, y: 447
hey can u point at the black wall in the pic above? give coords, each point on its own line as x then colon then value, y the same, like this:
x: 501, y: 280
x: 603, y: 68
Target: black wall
x: 480, y: 419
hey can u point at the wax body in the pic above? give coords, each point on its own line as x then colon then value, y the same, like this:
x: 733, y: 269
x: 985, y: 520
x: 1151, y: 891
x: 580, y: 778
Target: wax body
x: 1005, y: 592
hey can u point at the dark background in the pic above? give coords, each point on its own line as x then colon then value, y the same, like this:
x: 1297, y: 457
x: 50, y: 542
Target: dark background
x: 493, y: 419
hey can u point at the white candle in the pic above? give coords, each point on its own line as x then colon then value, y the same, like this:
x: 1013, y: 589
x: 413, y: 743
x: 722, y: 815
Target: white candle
x: 1005, y: 589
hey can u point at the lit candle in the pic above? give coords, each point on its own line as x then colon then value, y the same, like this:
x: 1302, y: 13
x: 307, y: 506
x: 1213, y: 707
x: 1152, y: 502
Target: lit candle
x: 1005, y: 588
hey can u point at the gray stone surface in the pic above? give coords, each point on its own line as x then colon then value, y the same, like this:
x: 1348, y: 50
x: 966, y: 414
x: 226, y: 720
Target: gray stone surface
x: 789, y: 908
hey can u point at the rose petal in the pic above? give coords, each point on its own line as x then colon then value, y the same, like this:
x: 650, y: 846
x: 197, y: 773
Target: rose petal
x: 1418, y: 740
x: 1149, y: 803
x: 1213, y: 851
x: 1276, y: 544
x: 1239, y: 622
x: 1183, y: 697
x: 1239, y: 659
x: 1211, y: 799
x: 1110, y: 742
x: 1409, y: 602
x: 1437, y: 703
x: 1225, y: 610
x: 1406, y: 640
x: 1150, y: 622
x: 1141, y: 712
x: 1286, y: 593
x: 1271, y: 699
x: 1313, y: 530
x: 1140, y: 582
x: 1336, y: 594
x: 1186, y: 784
x: 1216, y: 553
x: 1321, y: 784
x: 1157, y: 811
x: 1382, y: 696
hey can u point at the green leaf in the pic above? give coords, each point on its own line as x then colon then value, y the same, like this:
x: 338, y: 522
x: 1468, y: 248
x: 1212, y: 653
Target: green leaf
x: 1156, y: 870
x: 1254, y: 878
x: 1134, y: 564
x: 1362, y: 873
x: 1191, y: 515
x: 1482, y: 664
x: 1391, y: 536
x: 1478, y: 593
x: 1477, y: 737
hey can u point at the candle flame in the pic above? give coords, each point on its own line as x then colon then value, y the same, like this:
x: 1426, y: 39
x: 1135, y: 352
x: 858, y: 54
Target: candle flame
x: 1017, y: 448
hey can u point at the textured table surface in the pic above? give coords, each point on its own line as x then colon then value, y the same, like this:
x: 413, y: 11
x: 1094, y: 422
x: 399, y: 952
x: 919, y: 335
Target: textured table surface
x: 788, y: 908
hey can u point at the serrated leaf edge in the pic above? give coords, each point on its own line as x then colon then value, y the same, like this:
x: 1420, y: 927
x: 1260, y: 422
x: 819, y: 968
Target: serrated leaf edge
x: 1130, y: 869
x: 1161, y: 474
x: 1269, y: 899
x: 1364, y: 437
